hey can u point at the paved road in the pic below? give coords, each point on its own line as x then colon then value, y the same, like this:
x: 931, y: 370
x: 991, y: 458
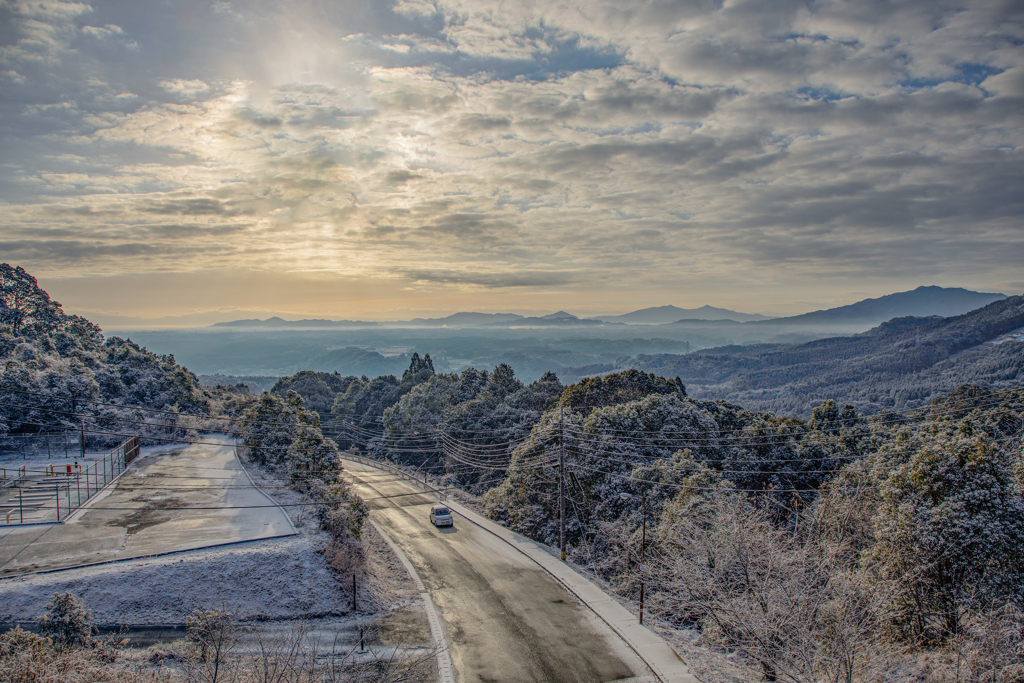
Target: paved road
x: 505, y: 618
x: 137, y: 515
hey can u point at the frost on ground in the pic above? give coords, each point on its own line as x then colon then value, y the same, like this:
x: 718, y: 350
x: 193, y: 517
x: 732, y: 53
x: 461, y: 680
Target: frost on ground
x: 709, y: 665
x: 273, y: 579
x: 382, y: 582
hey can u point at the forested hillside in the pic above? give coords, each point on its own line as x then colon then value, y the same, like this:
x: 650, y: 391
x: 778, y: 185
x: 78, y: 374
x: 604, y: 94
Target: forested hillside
x: 58, y: 370
x: 841, y: 547
x: 904, y: 363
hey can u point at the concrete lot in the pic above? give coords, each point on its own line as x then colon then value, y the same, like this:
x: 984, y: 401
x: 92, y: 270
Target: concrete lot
x: 138, y: 514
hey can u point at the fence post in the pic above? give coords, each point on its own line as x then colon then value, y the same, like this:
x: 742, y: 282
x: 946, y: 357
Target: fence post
x: 56, y: 498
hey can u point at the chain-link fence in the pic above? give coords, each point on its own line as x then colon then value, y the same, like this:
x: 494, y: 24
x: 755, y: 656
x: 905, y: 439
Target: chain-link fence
x: 53, y: 493
x: 52, y: 445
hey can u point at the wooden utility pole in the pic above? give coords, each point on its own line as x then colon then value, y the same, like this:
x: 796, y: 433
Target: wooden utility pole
x: 643, y: 552
x: 561, y: 482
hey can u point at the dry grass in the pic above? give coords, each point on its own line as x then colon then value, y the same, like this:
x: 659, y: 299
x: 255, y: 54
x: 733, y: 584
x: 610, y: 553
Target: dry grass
x: 291, y: 657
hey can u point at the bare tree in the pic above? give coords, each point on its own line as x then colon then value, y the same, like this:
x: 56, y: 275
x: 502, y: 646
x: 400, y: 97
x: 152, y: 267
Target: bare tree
x: 784, y: 602
x: 211, y: 633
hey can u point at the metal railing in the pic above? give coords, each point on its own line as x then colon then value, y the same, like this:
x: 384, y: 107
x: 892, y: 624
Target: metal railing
x: 63, y: 489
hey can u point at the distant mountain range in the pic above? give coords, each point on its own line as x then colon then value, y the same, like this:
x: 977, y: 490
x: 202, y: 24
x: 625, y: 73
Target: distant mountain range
x: 923, y: 301
x: 670, y: 314
x: 920, y: 302
x: 281, y: 323
x: 902, y: 363
x: 464, y: 319
x: 559, y: 319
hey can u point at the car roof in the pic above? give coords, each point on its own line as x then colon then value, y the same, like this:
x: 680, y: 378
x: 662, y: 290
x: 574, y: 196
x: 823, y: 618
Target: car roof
x: 438, y: 505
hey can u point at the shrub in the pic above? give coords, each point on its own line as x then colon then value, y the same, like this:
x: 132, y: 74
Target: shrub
x: 66, y: 622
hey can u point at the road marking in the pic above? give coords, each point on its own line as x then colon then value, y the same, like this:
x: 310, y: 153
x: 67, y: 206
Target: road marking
x: 444, y: 660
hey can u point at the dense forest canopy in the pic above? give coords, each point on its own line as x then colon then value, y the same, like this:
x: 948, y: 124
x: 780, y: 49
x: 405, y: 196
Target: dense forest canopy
x: 59, y: 373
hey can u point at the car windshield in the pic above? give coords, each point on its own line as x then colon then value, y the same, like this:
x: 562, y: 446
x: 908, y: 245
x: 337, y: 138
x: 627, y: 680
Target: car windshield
x: 441, y: 511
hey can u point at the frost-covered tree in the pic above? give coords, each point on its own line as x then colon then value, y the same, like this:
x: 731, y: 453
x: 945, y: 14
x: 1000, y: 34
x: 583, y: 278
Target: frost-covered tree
x: 283, y: 432
x: 950, y: 532
x: 722, y: 564
x: 310, y: 455
x: 59, y: 370
x: 491, y: 424
x: 619, y: 387
x: 24, y: 306
x: 66, y: 622
x: 412, y: 426
x: 318, y: 389
x: 601, y: 452
x: 269, y: 427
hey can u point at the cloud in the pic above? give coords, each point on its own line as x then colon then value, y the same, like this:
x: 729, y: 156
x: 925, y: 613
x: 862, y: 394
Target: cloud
x: 189, y: 89
x: 513, y: 145
x: 490, y: 280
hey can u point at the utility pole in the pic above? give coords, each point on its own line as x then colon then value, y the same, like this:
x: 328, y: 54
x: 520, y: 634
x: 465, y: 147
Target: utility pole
x: 643, y: 549
x: 642, y: 569
x: 81, y: 439
x: 561, y: 481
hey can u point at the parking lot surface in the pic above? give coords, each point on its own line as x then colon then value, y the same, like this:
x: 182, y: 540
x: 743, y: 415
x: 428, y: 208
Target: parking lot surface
x: 169, y: 499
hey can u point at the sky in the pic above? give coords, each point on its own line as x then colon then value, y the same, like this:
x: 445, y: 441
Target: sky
x: 377, y: 160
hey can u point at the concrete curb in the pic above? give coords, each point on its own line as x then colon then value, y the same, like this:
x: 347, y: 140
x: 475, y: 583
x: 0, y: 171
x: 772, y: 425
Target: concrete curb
x: 445, y: 673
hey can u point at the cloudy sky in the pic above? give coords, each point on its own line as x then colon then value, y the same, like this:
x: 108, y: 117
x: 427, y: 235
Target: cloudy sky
x: 373, y: 159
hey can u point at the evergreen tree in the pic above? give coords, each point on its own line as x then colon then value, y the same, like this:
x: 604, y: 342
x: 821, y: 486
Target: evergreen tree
x: 950, y: 532
x: 269, y: 427
x: 66, y: 622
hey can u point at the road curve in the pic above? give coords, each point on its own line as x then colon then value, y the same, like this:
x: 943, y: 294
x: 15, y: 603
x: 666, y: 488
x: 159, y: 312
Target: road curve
x: 505, y: 618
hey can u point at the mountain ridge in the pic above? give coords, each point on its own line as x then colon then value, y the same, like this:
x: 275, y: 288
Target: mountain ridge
x: 669, y: 314
x: 926, y: 300
x: 281, y: 323
x: 903, y: 362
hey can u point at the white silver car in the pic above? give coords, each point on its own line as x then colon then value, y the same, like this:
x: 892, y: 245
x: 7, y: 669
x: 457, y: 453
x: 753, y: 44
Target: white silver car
x: 440, y: 515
